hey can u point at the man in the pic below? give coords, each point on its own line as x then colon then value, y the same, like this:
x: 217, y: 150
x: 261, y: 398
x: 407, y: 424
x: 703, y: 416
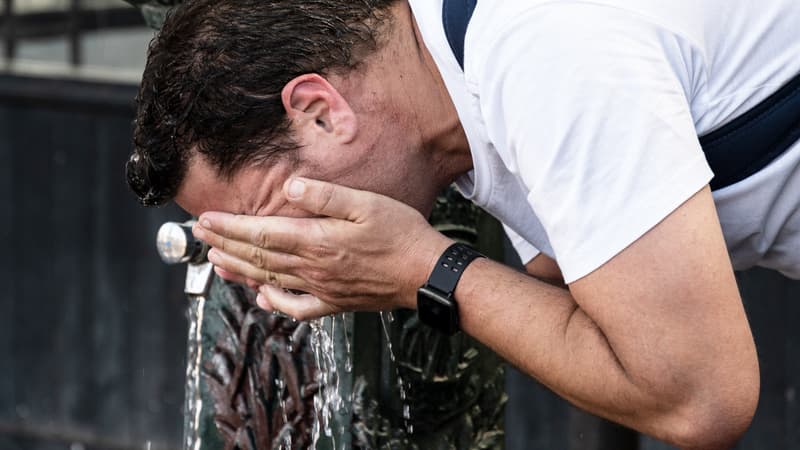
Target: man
x: 312, y: 137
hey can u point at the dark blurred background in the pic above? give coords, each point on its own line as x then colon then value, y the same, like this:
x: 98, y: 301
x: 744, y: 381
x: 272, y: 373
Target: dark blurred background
x: 92, y: 324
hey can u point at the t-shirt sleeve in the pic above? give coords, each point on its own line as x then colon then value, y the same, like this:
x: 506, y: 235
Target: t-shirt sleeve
x: 585, y: 104
x: 526, y: 251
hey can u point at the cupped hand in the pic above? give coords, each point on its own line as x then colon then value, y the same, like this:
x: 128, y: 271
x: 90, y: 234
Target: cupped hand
x: 360, y: 252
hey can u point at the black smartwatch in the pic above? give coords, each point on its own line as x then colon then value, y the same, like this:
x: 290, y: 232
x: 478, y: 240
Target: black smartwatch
x: 436, y: 304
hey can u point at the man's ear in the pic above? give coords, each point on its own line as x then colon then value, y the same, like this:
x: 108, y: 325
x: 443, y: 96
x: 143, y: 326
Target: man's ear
x: 314, y: 106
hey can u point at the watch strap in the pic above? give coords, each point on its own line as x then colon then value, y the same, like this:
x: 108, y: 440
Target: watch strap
x: 436, y: 304
x: 450, y: 267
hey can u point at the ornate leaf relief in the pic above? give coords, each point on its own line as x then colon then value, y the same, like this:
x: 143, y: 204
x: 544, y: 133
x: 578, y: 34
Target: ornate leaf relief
x: 262, y: 377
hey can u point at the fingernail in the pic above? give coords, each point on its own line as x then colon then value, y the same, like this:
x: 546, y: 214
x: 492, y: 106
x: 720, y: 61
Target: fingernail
x: 296, y: 188
x: 205, y: 223
x: 212, y: 255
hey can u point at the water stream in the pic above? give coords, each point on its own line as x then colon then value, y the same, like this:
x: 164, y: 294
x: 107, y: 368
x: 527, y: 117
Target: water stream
x: 328, y: 402
x: 387, y: 318
x: 326, y: 340
x: 194, y: 399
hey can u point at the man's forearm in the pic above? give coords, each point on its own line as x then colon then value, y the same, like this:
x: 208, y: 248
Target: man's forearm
x: 541, y: 329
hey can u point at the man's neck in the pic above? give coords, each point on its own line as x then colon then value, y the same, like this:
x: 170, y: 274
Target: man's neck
x: 400, y: 87
x: 443, y: 135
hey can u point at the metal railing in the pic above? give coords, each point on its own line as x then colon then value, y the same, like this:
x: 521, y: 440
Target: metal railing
x: 72, y: 22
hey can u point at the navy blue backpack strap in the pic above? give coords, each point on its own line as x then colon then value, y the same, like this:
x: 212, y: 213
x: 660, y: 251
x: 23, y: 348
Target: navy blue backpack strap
x: 753, y: 140
x: 734, y: 152
x: 456, y: 15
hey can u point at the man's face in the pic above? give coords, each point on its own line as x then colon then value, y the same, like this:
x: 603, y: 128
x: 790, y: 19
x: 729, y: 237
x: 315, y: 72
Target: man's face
x: 380, y: 162
x: 253, y: 190
x: 383, y: 156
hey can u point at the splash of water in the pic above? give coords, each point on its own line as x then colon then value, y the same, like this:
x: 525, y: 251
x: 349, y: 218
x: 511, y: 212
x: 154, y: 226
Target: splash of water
x: 326, y: 343
x: 328, y: 400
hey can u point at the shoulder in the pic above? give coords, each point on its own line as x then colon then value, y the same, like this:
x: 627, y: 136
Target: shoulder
x: 588, y: 106
x: 577, y: 33
x: 562, y: 52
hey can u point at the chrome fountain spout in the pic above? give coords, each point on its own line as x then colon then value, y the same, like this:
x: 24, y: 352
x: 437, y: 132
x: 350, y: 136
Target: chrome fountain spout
x: 177, y: 245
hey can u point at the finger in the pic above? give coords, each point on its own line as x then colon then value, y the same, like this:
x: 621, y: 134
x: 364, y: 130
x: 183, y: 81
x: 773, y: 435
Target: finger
x: 238, y: 279
x: 229, y: 276
x: 264, y: 303
x: 222, y: 230
x: 257, y: 256
x: 245, y: 270
x: 252, y: 284
x: 301, y: 307
x: 330, y: 200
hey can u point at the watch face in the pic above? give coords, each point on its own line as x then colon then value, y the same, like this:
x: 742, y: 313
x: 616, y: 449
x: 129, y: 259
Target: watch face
x: 437, y: 311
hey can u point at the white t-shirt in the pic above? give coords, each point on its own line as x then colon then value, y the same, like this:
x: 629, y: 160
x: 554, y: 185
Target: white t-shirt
x: 583, y: 116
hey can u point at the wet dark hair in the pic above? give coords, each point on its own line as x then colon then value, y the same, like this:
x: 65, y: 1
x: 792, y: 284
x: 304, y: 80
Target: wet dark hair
x: 214, y: 75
